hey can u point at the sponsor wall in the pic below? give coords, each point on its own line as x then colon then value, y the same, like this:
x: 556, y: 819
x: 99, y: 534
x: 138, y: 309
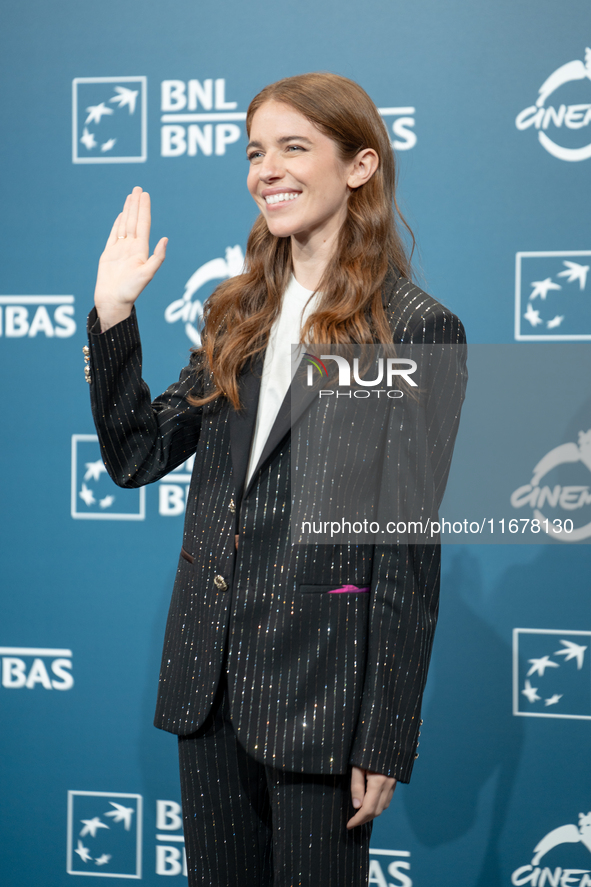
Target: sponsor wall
x: 489, y: 110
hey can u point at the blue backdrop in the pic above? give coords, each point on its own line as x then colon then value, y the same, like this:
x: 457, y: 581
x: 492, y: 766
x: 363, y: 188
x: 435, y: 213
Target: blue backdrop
x: 489, y: 107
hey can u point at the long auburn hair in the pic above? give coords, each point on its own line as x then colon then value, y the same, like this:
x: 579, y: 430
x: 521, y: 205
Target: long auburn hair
x: 239, y: 314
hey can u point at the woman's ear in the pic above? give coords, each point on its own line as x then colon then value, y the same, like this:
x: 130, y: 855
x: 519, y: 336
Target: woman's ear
x: 363, y: 168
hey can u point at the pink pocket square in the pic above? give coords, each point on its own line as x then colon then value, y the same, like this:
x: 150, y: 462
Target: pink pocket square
x: 348, y: 588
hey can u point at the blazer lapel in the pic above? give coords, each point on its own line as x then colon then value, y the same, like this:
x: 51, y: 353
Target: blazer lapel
x: 242, y: 423
x: 295, y: 402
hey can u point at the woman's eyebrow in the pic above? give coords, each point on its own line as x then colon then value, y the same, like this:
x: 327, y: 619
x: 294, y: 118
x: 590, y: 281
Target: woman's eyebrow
x: 281, y: 141
x: 284, y: 139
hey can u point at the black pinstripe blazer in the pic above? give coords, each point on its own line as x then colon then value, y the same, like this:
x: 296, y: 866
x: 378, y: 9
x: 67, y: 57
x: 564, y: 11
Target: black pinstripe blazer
x: 317, y: 681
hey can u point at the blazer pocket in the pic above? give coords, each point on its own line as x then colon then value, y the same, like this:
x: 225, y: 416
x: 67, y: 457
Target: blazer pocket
x: 334, y: 589
x: 187, y: 556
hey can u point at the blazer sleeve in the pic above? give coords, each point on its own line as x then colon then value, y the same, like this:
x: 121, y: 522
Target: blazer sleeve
x: 141, y: 441
x: 405, y: 583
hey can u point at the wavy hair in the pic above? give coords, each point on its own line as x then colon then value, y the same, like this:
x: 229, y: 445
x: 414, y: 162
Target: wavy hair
x: 239, y: 314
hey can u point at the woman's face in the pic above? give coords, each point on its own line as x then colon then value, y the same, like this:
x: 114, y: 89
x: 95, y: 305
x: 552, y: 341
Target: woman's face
x: 296, y: 176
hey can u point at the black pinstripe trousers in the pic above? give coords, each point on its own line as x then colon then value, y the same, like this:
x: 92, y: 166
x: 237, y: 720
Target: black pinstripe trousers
x: 249, y: 825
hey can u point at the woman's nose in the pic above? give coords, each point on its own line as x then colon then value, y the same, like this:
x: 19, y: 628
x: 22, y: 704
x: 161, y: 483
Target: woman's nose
x: 271, y: 168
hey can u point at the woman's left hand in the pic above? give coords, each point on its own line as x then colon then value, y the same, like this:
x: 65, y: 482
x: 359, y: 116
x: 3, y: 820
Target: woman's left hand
x: 371, y: 794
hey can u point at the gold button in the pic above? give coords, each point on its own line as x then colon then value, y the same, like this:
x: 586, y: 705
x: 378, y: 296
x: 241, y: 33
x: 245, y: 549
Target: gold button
x: 232, y: 506
x: 87, y: 374
x: 421, y: 722
x: 416, y: 756
x: 220, y: 583
x: 85, y: 350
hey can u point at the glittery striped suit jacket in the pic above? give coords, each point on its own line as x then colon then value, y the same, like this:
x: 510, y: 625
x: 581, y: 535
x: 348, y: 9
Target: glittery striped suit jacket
x: 317, y: 681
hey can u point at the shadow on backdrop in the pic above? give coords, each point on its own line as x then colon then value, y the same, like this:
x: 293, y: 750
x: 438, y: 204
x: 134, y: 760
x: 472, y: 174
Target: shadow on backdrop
x: 469, y: 714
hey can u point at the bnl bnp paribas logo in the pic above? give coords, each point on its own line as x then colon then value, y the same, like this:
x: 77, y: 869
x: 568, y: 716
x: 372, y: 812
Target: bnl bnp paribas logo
x: 94, y: 496
x: 104, y: 834
x: 552, y: 673
x: 29, y: 668
x: 26, y: 317
x: 562, y: 112
x: 197, y: 118
x: 553, y: 296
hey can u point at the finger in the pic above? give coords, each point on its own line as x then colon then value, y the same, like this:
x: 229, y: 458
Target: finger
x: 154, y: 262
x: 359, y: 819
x: 144, y: 219
x: 357, y: 786
x: 373, y: 798
x: 122, y: 230
x: 114, y: 231
x: 367, y: 811
x: 160, y: 251
x: 134, y: 205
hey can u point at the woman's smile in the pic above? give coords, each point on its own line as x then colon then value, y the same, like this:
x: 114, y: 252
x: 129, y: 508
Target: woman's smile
x: 278, y: 198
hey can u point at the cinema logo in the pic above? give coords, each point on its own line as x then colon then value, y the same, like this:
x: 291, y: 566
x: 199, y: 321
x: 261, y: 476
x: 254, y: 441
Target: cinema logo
x: 553, y: 497
x: 545, y: 872
x: 189, y: 308
x: 26, y: 317
x: 30, y: 667
x: 387, y: 370
x: 562, y: 120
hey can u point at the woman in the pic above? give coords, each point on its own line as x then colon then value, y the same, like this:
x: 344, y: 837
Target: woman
x: 297, y: 708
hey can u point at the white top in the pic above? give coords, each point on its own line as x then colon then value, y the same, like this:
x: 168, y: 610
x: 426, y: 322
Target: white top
x: 277, y: 368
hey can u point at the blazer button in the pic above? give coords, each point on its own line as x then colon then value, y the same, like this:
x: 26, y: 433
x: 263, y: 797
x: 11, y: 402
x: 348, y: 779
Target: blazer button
x: 220, y: 583
x: 232, y: 506
x: 86, y: 353
x: 416, y: 756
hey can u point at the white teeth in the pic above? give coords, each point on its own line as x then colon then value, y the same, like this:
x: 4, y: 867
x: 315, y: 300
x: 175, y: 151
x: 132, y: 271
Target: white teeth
x: 278, y: 198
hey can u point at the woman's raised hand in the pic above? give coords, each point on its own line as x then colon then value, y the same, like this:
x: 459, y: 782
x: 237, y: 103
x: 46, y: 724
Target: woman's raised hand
x: 126, y: 265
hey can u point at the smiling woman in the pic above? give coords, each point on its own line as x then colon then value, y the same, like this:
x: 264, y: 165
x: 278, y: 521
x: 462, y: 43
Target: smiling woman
x: 293, y: 675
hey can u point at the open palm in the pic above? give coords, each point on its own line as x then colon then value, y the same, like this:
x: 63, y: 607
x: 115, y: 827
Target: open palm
x: 126, y: 266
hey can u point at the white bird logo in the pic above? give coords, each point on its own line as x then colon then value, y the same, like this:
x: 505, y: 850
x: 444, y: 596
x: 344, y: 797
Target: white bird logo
x: 106, y: 146
x: 572, y: 651
x: 542, y: 287
x: 88, y: 139
x: 87, y: 495
x: 91, y: 826
x: 121, y: 814
x: 83, y: 852
x: 533, y: 316
x: 94, y: 470
x: 125, y: 97
x: 531, y: 693
x: 539, y: 666
x: 556, y: 321
x: 96, y: 113
x: 573, y: 272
